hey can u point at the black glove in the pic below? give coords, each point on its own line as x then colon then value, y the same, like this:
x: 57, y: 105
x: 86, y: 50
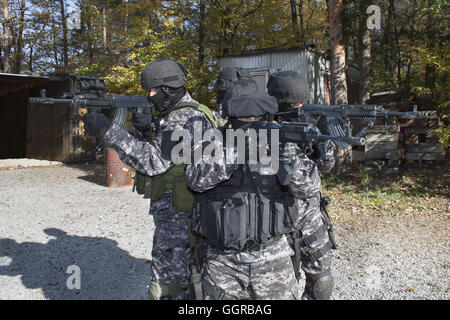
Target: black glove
x: 142, y: 121
x: 96, y: 124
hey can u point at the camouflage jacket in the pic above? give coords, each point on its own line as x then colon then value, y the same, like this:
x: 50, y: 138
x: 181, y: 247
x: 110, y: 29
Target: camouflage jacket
x: 206, y: 173
x: 323, y: 155
x: 148, y: 157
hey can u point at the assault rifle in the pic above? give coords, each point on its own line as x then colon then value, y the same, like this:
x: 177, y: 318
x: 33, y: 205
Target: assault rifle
x: 333, y: 118
x: 305, y: 135
x: 91, y: 95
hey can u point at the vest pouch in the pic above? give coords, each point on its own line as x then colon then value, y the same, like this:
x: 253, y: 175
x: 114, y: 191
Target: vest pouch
x: 291, y: 213
x: 224, y: 222
x: 235, y: 223
x: 158, y: 186
x: 264, y: 216
x: 278, y: 227
x: 183, y: 199
x: 142, y: 184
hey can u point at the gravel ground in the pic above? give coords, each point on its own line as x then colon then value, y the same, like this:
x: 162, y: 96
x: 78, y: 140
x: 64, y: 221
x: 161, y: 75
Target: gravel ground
x: 57, y: 217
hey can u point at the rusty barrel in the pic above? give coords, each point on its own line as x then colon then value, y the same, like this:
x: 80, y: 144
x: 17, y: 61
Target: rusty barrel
x: 118, y: 174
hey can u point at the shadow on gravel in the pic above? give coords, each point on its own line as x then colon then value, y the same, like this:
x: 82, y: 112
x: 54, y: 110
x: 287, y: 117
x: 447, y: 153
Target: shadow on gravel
x: 95, y: 172
x: 106, y: 271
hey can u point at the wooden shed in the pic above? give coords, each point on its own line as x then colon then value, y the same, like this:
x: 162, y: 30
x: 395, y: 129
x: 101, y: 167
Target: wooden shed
x: 38, y: 131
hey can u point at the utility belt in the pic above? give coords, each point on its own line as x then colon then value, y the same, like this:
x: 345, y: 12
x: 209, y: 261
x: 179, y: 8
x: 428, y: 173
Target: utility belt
x: 241, y: 221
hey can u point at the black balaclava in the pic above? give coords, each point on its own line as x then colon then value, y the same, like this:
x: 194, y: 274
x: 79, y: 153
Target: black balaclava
x: 166, y: 98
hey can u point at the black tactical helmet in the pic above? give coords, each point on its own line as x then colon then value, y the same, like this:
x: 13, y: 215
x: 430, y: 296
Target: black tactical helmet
x: 239, y: 88
x: 228, y: 75
x: 288, y: 87
x: 167, y: 73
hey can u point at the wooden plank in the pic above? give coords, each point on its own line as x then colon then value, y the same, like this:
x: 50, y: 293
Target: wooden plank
x: 424, y: 147
x: 411, y: 130
x: 393, y: 155
x: 433, y: 123
x: 358, y: 155
x: 424, y: 156
x: 381, y: 146
x: 382, y: 129
x: 377, y: 137
x: 422, y: 163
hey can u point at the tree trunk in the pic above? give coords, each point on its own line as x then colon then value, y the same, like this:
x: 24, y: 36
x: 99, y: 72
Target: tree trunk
x: 388, y: 45
x: 91, y: 43
x: 104, y: 38
x: 18, y: 53
x: 5, y: 35
x: 364, y: 47
x: 125, y: 32
x: 201, y: 34
x: 294, y: 19
x: 338, y: 75
x: 302, y: 22
x: 413, y: 37
x: 430, y: 69
x: 65, y: 42
x: 398, y: 60
x: 54, y: 27
x: 30, y: 59
x: 338, y: 66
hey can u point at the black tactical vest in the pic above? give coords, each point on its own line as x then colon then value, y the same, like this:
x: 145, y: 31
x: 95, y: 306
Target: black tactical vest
x: 245, y: 212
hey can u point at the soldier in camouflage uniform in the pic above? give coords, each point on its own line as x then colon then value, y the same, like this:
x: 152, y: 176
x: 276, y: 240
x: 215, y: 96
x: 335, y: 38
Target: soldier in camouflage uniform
x: 244, y: 259
x: 171, y: 202
x: 313, y: 237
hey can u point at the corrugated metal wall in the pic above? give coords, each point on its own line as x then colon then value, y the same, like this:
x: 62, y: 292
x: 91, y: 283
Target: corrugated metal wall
x: 306, y: 62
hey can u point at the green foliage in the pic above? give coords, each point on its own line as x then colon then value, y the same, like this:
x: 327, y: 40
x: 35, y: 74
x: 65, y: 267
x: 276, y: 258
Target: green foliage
x: 444, y: 135
x: 118, y: 38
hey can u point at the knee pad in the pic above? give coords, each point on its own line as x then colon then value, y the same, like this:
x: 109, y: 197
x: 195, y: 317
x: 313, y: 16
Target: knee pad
x: 318, y: 286
x: 158, y: 291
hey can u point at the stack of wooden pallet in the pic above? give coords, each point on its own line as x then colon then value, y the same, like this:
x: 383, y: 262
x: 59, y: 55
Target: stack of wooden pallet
x: 382, y: 152
x: 421, y: 144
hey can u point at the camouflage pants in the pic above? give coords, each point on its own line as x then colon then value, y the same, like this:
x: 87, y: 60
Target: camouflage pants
x: 170, y: 253
x: 258, y: 275
x: 310, y: 223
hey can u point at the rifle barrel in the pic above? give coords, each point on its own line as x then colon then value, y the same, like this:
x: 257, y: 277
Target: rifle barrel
x: 49, y: 100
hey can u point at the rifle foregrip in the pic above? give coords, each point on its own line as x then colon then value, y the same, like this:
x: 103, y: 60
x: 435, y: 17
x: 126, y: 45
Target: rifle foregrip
x: 362, y: 112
